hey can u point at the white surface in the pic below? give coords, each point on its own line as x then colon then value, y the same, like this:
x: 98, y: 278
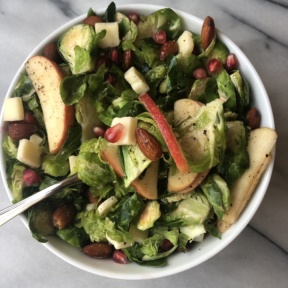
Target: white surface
x: 253, y: 260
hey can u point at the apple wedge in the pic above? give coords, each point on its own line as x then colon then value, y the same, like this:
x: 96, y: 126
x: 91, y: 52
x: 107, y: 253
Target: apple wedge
x: 185, y: 182
x: 260, y: 143
x: 184, y: 108
x: 145, y: 186
x: 167, y: 133
x: 46, y: 77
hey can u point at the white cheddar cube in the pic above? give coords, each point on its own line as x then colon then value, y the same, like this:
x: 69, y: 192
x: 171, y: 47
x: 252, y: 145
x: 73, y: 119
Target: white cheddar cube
x: 13, y: 109
x: 35, y: 138
x: 128, y: 136
x: 29, y: 153
x: 185, y: 43
x: 72, y: 164
x: 111, y: 39
x: 136, y: 80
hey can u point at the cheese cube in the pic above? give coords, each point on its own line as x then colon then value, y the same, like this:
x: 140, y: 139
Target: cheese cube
x: 13, y: 109
x: 185, y: 43
x: 35, y: 138
x: 29, y: 153
x: 128, y: 136
x: 111, y: 39
x: 136, y: 80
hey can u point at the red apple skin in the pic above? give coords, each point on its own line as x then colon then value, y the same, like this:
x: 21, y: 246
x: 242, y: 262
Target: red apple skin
x: 143, y: 187
x: 167, y: 133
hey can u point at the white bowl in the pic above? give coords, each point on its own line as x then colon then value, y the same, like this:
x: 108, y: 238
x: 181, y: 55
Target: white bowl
x: 210, y: 246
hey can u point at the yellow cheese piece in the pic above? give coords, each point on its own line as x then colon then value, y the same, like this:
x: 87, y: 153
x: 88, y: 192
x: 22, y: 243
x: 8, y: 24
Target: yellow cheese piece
x: 136, y: 80
x: 29, y: 153
x: 128, y: 136
x: 13, y: 109
x: 111, y: 39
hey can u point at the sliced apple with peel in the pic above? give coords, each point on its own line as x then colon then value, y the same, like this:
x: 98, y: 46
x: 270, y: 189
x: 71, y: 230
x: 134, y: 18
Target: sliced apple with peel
x: 167, y: 133
x: 145, y: 186
x: 261, y: 142
x: 184, y: 108
x: 197, y: 181
x: 184, y: 182
x: 46, y: 77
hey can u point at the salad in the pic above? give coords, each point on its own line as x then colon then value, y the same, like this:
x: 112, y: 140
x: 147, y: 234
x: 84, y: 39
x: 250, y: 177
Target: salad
x: 153, y: 118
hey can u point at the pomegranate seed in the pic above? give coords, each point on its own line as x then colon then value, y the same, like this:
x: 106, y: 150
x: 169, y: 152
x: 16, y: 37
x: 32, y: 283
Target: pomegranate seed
x: 134, y: 17
x: 115, y: 56
x: 159, y: 37
x: 166, y: 245
x: 98, y: 131
x: 200, y: 73
x: 29, y: 117
x: 231, y: 62
x: 120, y: 257
x: 102, y: 59
x: 114, y: 133
x: 30, y: 177
x: 214, y: 66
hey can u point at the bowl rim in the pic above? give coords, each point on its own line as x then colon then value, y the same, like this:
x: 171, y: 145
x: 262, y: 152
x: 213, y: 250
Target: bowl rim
x: 148, y: 272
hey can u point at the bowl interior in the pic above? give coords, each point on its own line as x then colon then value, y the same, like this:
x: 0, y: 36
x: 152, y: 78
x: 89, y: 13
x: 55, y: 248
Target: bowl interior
x: 201, y: 251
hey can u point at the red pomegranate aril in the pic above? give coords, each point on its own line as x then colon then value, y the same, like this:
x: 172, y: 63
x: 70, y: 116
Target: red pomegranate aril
x: 30, y: 177
x: 214, y: 66
x: 120, y: 257
x: 98, y: 131
x: 200, y: 73
x: 134, y: 17
x: 115, y: 56
x: 114, y: 133
x: 160, y: 37
x: 231, y: 62
x: 102, y: 59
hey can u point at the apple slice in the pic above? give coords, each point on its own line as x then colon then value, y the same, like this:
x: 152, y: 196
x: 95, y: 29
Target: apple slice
x: 167, y: 133
x: 146, y: 186
x: 46, y: 77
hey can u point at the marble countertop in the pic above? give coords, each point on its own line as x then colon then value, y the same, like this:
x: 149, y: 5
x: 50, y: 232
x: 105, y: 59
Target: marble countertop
x: 258, y: 257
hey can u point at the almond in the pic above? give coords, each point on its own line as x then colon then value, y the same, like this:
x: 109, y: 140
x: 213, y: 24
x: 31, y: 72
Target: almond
x: 92, y: 20
x: 207, y: 32
x: 21, y: 130
x: 170, y: 47
x: 98, y: 250
x: 148, y: 144
x: 253, y: 118
x: 63, y: 215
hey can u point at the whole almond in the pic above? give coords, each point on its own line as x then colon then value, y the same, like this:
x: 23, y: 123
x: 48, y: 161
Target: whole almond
x: 98, y: 250
x: 170, y: 47
x: 207, y: 32
x: 63, y: 215
x: 92, y: 20
x: 21, y: 130
x: 148, y: 144
x: 253, y: 118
